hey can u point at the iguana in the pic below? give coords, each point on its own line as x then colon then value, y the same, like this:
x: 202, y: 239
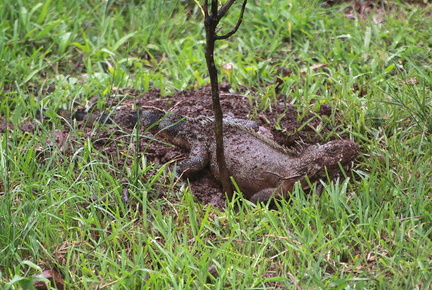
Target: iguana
x: 261, y: 168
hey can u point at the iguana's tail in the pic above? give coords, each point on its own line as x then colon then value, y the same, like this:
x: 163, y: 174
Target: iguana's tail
x: 147, y: 117
x: 88, y: 118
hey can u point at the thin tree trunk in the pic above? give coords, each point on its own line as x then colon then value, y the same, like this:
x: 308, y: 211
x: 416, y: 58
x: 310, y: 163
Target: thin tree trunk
x: 218, y: 115
x: 211, y: 20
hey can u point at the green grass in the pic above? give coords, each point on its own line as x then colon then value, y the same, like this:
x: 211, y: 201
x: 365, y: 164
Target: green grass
x: 374, y: 232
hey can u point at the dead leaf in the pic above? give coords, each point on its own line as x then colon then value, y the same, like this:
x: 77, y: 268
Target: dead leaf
x: 229, y: 66
x: 314, y: 67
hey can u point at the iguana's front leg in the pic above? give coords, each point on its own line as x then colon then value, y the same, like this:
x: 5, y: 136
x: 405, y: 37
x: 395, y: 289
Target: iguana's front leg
x: 286, y: 184
x: 198, y: 158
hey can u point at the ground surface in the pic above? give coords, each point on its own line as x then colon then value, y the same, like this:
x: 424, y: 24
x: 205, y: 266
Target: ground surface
x: 358, y: 70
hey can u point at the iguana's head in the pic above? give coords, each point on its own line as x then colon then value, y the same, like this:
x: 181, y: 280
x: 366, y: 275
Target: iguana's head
x: 341, y: 151
x: 328, y: 157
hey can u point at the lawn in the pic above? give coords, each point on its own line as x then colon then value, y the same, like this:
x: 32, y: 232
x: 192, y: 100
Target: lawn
x: 64, y: 210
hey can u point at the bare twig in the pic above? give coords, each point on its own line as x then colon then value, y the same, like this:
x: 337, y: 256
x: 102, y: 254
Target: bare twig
x: 205, y: 9
x: 214, y: 10
x: 234, y: 30
x: 225, y: 9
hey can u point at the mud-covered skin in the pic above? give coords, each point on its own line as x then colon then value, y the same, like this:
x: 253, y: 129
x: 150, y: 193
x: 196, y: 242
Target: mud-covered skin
x: 261, y: 168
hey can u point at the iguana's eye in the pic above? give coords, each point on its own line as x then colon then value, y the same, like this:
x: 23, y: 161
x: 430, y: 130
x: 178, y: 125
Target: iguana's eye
x: 332, y: 149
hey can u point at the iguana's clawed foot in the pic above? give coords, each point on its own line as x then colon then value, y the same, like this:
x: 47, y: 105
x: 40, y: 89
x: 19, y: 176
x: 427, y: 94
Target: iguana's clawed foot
x: 263, y: 196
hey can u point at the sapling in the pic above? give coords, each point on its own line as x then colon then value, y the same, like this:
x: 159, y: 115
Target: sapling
x: 212, y: 18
